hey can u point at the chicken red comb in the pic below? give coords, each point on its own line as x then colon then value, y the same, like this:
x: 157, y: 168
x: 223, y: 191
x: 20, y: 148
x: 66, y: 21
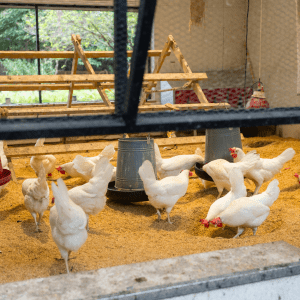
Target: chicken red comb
x: 204, y: 222
x: 52, y: 200
x: 231, y: 150
x: 191, y: 173
x: 217, y: 222
x: 60, y: 170
x: 49, y: 174
x: 296, y: 175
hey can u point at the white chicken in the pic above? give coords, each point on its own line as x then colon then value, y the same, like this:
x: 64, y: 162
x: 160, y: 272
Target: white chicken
x: 36, y: 195
x: 216, y: 170
x: 48, y: 160
x: 174, y: 165
x: 267, y: 168
x: 84, y: 166
x: 164, y: 193
x: 91, y: 197
x: 68, y: 222
x: 249, y: 212
x: 238, y: 190
x: 4, y: 163
x: 3, y: 157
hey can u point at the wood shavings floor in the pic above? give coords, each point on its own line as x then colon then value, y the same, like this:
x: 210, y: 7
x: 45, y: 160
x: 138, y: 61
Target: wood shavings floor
x: 125, y: 234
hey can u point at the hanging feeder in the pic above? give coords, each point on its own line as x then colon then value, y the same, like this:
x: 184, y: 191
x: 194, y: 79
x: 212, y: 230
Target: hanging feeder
x: 5, y: 175
x: 258, y: 99
x: 217, y: 143
x: 132, y: 152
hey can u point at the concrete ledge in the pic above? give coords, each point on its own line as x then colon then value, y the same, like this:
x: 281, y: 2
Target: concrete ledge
x: 166, y: 278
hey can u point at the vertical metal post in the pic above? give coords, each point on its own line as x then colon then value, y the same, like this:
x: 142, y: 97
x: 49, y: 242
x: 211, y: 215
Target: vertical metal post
x: 138, y: 61
x: 38, y: 45
x: 120, y: 54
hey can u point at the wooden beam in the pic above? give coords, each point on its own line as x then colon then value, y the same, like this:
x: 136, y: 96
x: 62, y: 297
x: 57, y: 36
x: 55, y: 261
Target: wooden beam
x: 17, y: 79
x: 156, y: 70
x: 67, y: 54
x: 73, y: 71
x: 55, y: 87
x: 12, y: 152
x: 196, y: 87
x: 89, y: 67
x: 171, y: 106
x: 20, y: 112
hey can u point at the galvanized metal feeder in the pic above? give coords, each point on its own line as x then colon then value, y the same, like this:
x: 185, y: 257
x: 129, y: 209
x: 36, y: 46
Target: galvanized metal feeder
x: 217, y: 143
x: 132, y: 152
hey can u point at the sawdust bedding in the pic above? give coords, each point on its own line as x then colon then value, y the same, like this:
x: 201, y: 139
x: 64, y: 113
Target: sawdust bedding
x: 125, y: 234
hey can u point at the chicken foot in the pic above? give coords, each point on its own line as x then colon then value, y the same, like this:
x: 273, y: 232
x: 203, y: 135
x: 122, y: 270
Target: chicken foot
x: 240, y: 231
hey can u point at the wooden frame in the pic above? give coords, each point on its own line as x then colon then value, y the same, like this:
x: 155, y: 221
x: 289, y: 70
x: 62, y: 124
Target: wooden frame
x: 100, y: 82
x: 171, y: 44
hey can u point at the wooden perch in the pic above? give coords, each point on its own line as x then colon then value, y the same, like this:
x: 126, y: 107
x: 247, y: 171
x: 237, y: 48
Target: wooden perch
x: 96, y: 78
x: 67, y: 54
x: 76, y: 42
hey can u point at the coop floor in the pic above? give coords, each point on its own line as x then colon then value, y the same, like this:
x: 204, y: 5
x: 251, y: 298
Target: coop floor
x: 125, y: 234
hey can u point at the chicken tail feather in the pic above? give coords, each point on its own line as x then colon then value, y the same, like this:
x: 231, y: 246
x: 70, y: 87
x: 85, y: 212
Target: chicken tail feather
x: 146, y: 172
x: 286, y: 155
x: 157, y: 154
x: 40, y: 142
x: 108, y: 151
x: 272, y: 191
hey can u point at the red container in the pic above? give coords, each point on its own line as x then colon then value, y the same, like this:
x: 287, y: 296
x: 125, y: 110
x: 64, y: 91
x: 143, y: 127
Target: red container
x: 5, y: 175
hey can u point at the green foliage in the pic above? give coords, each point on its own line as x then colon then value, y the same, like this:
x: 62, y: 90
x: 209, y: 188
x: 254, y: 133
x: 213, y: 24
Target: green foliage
x: 13, y: 33
x: 23, y: 97
x: 96, y: 29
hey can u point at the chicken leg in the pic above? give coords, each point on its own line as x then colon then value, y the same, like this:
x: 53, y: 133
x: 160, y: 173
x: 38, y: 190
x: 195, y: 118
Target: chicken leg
x: 39, y: 221
x: 220, y: 190
x: 87, y: 223
x: 168, y: 210
x: 159, y: 215
x: 65, y: 255
x: 36, y: 224
x: 240, y: 231
x: 254, y: 230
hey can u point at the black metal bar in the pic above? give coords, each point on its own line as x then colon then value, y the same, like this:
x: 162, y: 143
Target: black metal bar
x: 63, y: 6
x: 38, y: 44
x: 120, y: 55
x: 14, y: 129
x: 138, y: 61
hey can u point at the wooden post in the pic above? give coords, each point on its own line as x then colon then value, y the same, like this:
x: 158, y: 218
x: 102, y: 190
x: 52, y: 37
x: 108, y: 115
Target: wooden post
x: 157, y: 68
x: 74, y: 70
x: 186, y: 69
x: 90, y: 69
